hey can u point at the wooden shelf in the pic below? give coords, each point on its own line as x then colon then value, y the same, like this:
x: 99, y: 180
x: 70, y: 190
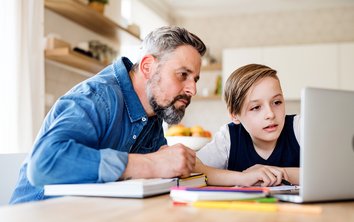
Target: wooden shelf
x: 212, y: 67
x: 89, y: 18
x: 74, y: 59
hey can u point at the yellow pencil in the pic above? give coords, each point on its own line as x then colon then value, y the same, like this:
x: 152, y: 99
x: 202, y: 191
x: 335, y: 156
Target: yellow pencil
x: 249, y: 206
x: 236, y: 205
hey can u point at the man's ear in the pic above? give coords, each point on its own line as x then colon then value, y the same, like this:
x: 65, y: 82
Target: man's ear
x: 146, y: 66
x: 235, y: 119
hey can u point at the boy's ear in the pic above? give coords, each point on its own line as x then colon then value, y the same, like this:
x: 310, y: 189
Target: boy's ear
x: 146, y: 66
x: 235, y: 119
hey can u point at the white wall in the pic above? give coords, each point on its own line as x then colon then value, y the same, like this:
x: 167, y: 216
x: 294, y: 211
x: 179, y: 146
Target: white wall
x: 273, y: 28
x: 317, y: 65
x: 263, y: 30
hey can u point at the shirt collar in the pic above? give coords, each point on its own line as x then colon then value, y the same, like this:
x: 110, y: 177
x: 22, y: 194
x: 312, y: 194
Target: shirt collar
x: 132, y: 102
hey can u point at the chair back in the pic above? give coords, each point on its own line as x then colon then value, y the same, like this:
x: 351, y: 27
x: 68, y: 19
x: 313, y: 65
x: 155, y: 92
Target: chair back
x: 9, y: 170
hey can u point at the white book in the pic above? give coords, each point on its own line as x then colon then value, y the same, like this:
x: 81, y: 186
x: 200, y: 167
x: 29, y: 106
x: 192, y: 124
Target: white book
x: 135, y: 188
x: 188, y: 195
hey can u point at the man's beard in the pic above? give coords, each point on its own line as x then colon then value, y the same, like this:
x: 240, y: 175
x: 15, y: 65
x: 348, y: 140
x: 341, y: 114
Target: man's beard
x: 169, y: 113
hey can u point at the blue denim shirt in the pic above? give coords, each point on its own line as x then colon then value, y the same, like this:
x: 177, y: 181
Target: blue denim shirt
x: 88, y: 133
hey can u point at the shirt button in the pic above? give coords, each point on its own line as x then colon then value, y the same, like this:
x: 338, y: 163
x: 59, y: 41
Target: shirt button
x: 134, y: 137
x: 143, y: 119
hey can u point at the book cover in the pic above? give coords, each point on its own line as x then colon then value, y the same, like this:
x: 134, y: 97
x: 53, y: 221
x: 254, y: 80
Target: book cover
x: 135, y: 188
x: 194, y: 180
x: 186, y: 194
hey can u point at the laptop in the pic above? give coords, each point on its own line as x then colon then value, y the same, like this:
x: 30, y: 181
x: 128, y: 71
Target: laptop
x: 327, y: 146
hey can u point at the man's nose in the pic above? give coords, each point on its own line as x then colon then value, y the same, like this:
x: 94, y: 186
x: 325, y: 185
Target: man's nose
x: 191, y: 88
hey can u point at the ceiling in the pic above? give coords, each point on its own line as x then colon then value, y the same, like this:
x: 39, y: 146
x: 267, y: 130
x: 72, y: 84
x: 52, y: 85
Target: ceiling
x: 206, y: 8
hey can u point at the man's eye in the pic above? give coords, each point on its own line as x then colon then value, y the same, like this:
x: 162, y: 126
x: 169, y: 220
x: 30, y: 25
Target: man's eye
x: 183, y: 75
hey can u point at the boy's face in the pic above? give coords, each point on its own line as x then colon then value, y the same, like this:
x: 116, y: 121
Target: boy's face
x: 263, y: 111
x: 174, y: 83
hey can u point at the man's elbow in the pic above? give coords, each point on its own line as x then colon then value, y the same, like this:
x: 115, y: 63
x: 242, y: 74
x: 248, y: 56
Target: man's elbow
x: 37, y: 173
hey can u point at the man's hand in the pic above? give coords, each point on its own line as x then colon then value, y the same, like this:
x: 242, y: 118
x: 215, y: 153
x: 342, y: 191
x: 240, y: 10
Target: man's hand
x: 264, y: 175
x: 173, y: 161
x: 167, y: 162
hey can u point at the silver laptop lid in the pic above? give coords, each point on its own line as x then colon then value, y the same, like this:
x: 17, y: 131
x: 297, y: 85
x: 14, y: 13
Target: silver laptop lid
x: 327, y: 145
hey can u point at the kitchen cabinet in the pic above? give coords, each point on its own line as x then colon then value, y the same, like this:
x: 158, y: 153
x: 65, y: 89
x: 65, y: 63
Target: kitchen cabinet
x: 317, y: 65
x: 206, y: 85
x: 78, y: 12
x: 73, y: 22
x: 303, y: 65
x: 81, y: 14
x: 74, y: 59
x: 346, y: 65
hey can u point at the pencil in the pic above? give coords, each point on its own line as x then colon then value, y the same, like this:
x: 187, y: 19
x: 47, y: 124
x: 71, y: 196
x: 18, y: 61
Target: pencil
x: 285, y: 182
x: 236, y: 205
x: 265, y: 207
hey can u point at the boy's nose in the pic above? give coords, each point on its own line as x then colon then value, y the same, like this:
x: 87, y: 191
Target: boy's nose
x: 270, y: 113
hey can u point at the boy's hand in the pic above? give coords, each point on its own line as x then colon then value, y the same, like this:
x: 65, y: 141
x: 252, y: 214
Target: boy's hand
x: 264, y: 175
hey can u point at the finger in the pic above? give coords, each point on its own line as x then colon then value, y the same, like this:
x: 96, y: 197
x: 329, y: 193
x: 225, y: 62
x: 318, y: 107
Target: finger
x: 191, y: 156
x: 278, y: 173
x: 265, y: 181
x: 190, y: 164
x: 259, y: 183
x: 272, y: 178
x: 185, y: 174
x: 190, y: 151
x: 187, y: 163
x: 187, y: 169
x: 285, y: 174
x: 282, y: 174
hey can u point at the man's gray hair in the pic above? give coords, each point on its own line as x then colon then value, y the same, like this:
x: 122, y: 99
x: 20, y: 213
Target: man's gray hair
x: 166, y: 39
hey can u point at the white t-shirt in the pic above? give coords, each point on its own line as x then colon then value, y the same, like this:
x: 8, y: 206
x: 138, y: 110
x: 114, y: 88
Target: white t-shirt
x: 216, y: 153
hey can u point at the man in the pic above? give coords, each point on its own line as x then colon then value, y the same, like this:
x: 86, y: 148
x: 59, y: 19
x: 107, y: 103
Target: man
x: 109, y: 127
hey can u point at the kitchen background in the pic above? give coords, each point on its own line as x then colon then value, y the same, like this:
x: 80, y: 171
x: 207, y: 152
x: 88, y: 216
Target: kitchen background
x: 236, y: 34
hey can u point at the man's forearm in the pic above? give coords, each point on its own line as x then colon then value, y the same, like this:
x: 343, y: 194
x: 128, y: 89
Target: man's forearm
x: 139, y: 166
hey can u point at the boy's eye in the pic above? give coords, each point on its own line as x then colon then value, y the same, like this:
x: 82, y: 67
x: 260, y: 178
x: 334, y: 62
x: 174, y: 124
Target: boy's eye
x: 278, y: 102
x: 255, y: 108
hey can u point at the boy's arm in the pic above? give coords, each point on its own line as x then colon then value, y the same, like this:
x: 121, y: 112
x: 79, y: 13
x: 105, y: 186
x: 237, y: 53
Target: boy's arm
x: 263, y: 175
x: 293, y: 173
x: 216, y: 176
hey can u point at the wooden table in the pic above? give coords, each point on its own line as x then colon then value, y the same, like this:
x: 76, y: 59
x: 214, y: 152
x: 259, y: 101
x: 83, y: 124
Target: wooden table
x: 159, y: 208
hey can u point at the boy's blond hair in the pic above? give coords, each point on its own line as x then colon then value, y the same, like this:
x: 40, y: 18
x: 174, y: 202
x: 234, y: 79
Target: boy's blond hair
x: 240, y: 81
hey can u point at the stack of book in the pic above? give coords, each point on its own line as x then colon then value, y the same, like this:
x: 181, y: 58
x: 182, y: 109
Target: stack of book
x: 192, y: 194
x: 236, y: 198
x: 135, y: 188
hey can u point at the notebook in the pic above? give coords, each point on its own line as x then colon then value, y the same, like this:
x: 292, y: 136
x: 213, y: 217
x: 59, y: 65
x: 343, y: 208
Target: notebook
x: 327, y: 146
x: 192, y: 194
x: 135, y: 188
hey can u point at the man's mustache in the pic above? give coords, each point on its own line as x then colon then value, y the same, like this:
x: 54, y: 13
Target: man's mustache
x: 185, y: 97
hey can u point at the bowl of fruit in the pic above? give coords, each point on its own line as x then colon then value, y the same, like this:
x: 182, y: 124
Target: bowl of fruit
x: 193, y: 137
